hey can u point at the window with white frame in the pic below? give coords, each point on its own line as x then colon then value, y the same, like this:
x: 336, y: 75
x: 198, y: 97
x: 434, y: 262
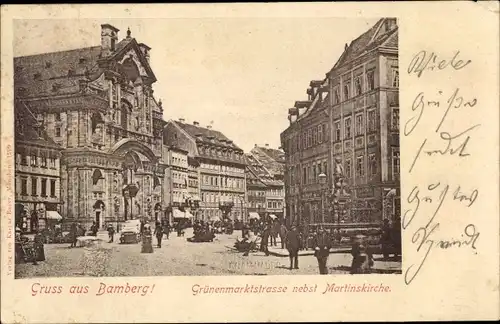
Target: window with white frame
x: 360, y: 166
x: 347, y: 86
x: 320, y: 133
x: 370, y: 80
x: 371, y: 120
x: 395, y: 164
x: 395, y: 118
x: 337, y: 131
x: 395, y: 77
x: 347, y: 128
x: 348, y: 168
x: 358, y: 85
x: 359, y: 124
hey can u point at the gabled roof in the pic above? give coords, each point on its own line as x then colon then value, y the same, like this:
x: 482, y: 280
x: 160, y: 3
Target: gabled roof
x: 271, y: 159
x: 206, y: 135
x: 367, y: 41
x: 37, y: 75
x: 58, y: 73
x: 256, y: 167
x: 127, y: 43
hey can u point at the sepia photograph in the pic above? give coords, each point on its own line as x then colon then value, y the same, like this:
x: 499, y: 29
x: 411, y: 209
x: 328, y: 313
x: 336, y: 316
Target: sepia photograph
x: 206, y: 147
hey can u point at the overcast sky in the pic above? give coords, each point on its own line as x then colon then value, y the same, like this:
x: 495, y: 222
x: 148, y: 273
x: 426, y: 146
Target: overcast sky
x: 242, y: 74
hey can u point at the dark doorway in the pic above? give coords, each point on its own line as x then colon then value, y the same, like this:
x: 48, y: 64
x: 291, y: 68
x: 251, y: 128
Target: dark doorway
x: 98, y: 218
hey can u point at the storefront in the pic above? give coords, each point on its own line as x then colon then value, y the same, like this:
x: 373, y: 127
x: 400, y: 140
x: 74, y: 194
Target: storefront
x: 33, y: 216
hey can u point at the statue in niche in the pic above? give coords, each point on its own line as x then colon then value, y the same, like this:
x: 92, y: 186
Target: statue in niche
x: 125, y: 176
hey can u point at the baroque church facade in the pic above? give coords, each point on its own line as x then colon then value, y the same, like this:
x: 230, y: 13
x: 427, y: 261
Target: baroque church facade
x: 97, y: 104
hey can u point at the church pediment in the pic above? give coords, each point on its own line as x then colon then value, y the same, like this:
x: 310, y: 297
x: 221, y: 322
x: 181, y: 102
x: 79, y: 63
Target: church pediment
x: 132, y: 63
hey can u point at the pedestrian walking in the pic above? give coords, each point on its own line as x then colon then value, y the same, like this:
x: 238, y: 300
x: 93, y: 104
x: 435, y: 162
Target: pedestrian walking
x: 386, y: 239
x: 147, y: 239
x: 293, y: 245
x: 111, y: 233
x: 322, y: 245
x: 93, y: 229
x: 73, y: 234
x: 38, y: 248
x: 265, y: 240
x: 283, y: 233
x: 159, y: 233
x: 274, y: 233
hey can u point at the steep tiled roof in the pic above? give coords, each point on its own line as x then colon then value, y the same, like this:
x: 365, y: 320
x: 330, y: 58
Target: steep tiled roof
x: 42, y: 74
x: 256, y: 167
x: 207, y: 135
x: 271, y: 159
x: 276, y: 155
x: 365, y: 42
x: 28, y: 129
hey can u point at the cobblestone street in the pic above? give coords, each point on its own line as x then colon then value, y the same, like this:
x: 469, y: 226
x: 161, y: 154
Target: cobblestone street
x: 177, y: 257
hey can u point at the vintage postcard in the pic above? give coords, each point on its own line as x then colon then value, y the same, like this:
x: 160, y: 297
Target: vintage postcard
x: 250, y: 162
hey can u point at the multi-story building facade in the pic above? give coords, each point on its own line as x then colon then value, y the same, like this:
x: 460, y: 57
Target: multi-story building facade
x: 193, y: 186
x: 177, y: 181
x: 221, y: 169
x: 37, y: 172
x: 256, y: 188
x: 97, y: 103
x: 352, y: 115
x: 270, y: 168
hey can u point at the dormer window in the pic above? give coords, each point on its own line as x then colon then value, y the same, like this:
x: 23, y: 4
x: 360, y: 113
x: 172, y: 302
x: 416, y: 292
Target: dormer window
x: 48, y: 64
x: 37, y: 76
x: 82, y: 60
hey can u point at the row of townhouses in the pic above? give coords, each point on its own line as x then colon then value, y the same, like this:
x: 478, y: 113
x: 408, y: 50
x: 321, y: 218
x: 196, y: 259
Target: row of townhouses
x: 351, y: 115
x: 92, y: 145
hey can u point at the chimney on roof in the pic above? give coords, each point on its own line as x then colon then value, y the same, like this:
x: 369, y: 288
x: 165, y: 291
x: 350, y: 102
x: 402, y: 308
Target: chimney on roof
x: 195, y: 123
x: 255, y: 145
x: 209, y: 127
x: 346, y: 46
x: 267, y: 145
x: 182, y: 120
x: 109, y: 36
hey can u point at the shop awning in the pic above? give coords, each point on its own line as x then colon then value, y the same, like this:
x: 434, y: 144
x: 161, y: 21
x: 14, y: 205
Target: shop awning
x: 253, y: 215
x: 180, y: 214
x: 51, y: 214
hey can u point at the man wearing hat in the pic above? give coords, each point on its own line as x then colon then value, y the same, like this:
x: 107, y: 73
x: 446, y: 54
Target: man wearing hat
x: 322, y: 245
x: 293, y: 244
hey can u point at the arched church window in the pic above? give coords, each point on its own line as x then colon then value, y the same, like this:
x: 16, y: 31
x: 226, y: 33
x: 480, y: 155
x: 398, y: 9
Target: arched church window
x: 126, y: 108
x: 156, y: 182
x: 96, y: 176
x: 96, y: 119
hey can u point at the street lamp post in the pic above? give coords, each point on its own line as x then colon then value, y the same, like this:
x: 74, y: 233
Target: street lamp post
x: 322, y: 181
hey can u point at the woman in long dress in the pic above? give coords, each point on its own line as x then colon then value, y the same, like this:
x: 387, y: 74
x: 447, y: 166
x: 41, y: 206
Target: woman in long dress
x: 147, y: 239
